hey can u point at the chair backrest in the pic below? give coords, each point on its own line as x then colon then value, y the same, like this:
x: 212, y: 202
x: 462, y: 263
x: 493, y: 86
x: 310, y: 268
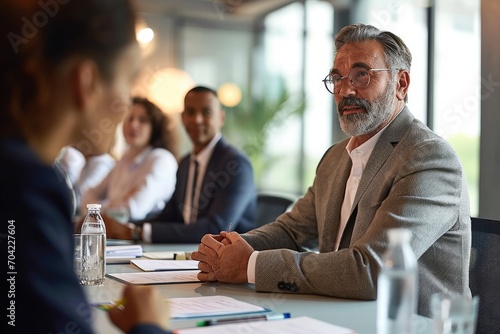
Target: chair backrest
x: 484, y: 273
x: 269, y: 207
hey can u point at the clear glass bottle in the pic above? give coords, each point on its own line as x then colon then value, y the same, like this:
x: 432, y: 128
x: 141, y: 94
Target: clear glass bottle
x: 397, y: 285
x: 93, y: 247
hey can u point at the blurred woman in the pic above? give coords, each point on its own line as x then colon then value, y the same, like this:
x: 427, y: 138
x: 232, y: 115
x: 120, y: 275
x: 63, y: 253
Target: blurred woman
x: 144, y: 178
x: 66, y: 69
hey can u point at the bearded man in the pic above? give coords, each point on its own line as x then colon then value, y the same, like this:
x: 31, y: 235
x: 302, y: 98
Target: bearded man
x: 393, y: 172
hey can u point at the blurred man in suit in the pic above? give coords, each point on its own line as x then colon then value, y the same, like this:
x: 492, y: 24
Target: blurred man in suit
x: 215, y: 189
x: 393, y: 172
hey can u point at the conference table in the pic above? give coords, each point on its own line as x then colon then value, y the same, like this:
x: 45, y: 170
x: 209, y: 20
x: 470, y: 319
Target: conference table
x: 357, y: 315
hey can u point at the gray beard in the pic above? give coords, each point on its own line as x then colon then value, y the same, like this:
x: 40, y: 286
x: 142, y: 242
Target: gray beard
x: 377, y: 112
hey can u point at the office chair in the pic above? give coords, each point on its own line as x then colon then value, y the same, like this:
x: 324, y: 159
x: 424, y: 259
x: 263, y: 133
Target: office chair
x: 484, y: 273
x: 269, y: 207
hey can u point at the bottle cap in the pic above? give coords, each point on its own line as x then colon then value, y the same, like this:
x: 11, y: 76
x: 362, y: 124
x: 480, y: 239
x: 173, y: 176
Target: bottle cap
x: 398, y: 235
x: 93, y: 206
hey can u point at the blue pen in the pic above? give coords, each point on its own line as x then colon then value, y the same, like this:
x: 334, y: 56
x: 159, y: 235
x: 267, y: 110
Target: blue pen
x: 263, y: 317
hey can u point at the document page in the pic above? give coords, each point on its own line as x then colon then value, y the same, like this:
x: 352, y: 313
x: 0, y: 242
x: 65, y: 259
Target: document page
x: 176, y: 255
x: 210, y: 306
x: 122, y: 254
x: 298, y: 325
x: 157, y: 277
x: 165, y: 265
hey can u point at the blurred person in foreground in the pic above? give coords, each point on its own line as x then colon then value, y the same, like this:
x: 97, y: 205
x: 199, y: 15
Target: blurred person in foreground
x: 65, y: 78
x: 215, y: 188
x: 393, y: 172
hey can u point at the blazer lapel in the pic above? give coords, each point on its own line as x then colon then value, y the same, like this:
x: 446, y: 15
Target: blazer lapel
x: 335, y: 197
x: 382, y: 150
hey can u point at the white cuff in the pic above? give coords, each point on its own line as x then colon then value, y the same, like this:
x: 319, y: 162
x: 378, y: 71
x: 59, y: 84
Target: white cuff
x: 252, y: 261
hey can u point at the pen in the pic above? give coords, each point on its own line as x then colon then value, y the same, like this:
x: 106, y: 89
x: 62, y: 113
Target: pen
x: 264, y: 317
x: 107, y: 305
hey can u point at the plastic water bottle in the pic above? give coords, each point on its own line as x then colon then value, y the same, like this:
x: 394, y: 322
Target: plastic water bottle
x: 397, y: 285
x: 93, y: 247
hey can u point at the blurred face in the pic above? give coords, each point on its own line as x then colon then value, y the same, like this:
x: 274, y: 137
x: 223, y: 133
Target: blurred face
x: 106, y: 107
x: 137, y: 127
x: 203, y: 118
x: 362, y: 111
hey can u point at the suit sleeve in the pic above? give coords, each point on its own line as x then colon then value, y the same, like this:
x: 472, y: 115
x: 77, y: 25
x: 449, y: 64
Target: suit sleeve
x: 424, y: 192
x: 227, y: 195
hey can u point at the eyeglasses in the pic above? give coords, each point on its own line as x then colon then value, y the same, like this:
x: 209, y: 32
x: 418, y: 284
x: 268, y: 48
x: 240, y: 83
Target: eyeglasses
x: 359, y: 77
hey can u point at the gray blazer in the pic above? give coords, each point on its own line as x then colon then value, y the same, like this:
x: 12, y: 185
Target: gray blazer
x: 413, y: 179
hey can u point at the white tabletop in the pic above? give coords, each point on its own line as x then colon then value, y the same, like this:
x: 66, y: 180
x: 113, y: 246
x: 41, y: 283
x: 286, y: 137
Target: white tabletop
x: 354, y: 314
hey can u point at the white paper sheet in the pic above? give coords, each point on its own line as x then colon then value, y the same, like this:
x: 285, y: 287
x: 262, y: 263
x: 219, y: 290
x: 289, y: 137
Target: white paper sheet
x: 298, y: 325
x: 130, y: 251
x: 157, y: 277
x: 165, y: 265
x: 204, y: 306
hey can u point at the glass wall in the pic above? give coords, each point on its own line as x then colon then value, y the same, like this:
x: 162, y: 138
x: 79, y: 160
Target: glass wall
x: 407, y: 19
x: 297, y: 54
x: 457, y: 84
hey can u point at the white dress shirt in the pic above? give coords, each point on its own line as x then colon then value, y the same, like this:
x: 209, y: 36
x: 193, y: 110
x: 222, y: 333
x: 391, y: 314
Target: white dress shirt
x: 359, y: 157
x: 96, y: 168
x: 140, y: 185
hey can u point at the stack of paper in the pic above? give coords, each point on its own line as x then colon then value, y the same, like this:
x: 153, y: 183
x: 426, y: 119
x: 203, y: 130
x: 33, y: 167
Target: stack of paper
x: 122, y: 254
x: 209, y: 306
x: 157, y: 277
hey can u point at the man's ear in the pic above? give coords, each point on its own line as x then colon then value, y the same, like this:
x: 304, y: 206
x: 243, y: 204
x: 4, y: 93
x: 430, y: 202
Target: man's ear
x: 403, y: 82
x: 85, y: 82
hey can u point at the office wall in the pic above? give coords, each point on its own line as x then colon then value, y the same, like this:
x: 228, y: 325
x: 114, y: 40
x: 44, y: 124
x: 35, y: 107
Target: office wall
x: 489, y: 182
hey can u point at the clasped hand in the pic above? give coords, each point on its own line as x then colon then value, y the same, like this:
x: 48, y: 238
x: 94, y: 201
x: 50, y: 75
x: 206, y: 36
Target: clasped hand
x: 223, y: 258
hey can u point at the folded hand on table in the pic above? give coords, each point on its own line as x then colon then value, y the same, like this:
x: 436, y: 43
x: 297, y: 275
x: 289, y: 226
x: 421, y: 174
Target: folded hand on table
x: 141, y: 305
x: 224, y: 258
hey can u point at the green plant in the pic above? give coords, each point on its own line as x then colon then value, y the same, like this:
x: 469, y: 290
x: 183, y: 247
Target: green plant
x: 249, y: 125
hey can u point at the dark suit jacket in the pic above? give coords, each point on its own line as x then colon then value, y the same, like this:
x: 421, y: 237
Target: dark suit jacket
x: 36, y: 225
x: 228, y: 197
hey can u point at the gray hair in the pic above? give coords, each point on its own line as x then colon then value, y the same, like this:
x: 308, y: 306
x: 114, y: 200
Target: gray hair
x: 397, y: 54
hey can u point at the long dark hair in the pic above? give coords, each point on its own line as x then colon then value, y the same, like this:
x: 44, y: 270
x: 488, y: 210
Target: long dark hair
x: 164, y: 133
x: 37, y: 38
